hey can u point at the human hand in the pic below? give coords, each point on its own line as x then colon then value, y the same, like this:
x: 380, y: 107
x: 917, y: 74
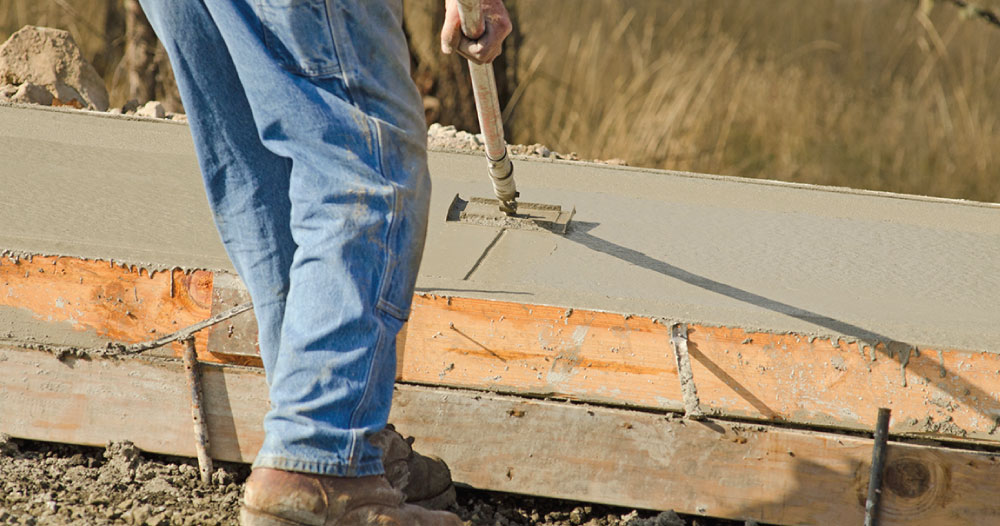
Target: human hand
x: 481, y: 49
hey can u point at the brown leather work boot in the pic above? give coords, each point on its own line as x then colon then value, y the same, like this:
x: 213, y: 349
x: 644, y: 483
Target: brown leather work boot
x: 426, y: 481
x: 283, y: 498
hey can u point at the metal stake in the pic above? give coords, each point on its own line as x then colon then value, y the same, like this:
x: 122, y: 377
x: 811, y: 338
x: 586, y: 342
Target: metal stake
x: 197, y: 411
x: 878, y: 463
x: 679, y: 340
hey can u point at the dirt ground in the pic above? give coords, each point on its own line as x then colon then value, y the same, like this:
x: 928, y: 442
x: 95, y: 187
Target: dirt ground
x: 61, y: 485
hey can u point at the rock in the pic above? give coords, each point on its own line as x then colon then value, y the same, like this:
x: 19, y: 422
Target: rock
x: 667, y: 518
x: 29, y: 93
x: 130, y: 106
x: 7, y: 91
x: 122, y: 460
x: 8, y: 448
x: 160, y: 519
x: 158, y: 485
x: 50, y: 58
x: 152, y: 109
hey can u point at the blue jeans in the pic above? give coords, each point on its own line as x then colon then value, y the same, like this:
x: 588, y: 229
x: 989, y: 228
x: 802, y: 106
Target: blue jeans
x: 312, y: 145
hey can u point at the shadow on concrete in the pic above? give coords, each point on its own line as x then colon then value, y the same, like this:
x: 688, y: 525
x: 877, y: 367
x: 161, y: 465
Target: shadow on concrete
x: 579, y: 232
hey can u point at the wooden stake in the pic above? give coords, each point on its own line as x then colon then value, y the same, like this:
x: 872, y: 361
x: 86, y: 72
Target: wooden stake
x: 197, y: 411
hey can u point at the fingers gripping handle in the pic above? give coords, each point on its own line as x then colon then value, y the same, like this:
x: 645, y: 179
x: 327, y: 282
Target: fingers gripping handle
x: 484, y: 86
x: 471, y: 14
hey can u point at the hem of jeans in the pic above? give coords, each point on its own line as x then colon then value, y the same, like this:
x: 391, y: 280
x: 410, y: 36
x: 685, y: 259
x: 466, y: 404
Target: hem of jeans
x: 332, y: 469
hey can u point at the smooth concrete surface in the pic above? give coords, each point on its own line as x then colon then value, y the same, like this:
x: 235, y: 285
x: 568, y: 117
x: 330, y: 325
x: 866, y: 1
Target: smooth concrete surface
x: 713, y: 250
x: 79, y: 184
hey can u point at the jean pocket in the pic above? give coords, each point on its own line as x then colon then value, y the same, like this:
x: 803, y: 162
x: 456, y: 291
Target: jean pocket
x: 300, y: 36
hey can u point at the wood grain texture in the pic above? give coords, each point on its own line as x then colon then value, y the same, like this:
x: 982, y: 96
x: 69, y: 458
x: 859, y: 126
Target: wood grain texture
x: 551, y: 351
x: 121, y: 303
x: 709, y: 467
x: 145, y: 400
x: 610, y: 358
x: 109, y: 302
x: 507, y: 443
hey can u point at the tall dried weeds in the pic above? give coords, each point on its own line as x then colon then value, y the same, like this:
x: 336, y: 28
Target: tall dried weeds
x: 893, y: 95
x: 868, y: 94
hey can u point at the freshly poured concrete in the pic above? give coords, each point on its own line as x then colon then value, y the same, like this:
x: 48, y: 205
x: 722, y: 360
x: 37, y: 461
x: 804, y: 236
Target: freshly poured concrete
x: 79, y: 184
x: 705, y: 249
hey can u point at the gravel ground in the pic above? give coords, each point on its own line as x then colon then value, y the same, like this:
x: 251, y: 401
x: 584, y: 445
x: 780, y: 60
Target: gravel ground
x: 449, y: 139
x: 60, y: 485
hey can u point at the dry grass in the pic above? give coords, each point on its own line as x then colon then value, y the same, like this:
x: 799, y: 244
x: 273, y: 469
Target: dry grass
x: 864, y: 93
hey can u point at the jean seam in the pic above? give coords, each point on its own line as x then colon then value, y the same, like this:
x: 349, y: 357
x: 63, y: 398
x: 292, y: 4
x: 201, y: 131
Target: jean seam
x: 366, y: 394
x: 387, y: 268
x: 346, y: 68
x: 385, y: 286
x: 353, y: 451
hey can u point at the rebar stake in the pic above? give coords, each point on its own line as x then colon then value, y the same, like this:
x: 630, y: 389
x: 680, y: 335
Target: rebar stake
x: 197, y: 411
x: 878, y: 463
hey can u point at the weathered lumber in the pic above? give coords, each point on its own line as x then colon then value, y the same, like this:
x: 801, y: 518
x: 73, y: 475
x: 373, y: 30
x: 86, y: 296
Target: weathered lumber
x: 627, y: 360
x: 72, y: 302
x: 706, y: 467
x: 145, y: 400
x: 540, y: 350
x: 504, y: 443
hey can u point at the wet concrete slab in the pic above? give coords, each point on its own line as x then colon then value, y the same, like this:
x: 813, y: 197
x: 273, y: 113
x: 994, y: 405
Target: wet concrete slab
x: 754, y: 254
x: 718, y: 251
x: 76, y: 184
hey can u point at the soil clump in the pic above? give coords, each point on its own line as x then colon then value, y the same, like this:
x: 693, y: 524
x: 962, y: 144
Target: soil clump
x: 45, y: 66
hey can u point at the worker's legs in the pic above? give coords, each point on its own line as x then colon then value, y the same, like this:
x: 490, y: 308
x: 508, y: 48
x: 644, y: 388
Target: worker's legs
x: 330, y: 96
x: 246, y: 184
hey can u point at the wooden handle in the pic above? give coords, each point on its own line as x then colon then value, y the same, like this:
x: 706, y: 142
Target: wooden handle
x: 484, y: 88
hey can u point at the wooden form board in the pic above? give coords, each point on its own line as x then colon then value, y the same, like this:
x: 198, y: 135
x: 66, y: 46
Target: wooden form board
x: 145, y: 400
x: 611, y: 358
x: 110, y: 302
x: 557, y: 352
x: 505, y: 443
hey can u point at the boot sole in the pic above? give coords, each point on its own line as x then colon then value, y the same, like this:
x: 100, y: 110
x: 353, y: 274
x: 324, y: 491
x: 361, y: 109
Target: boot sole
x: 441, y: 501
x: 253, y: 518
